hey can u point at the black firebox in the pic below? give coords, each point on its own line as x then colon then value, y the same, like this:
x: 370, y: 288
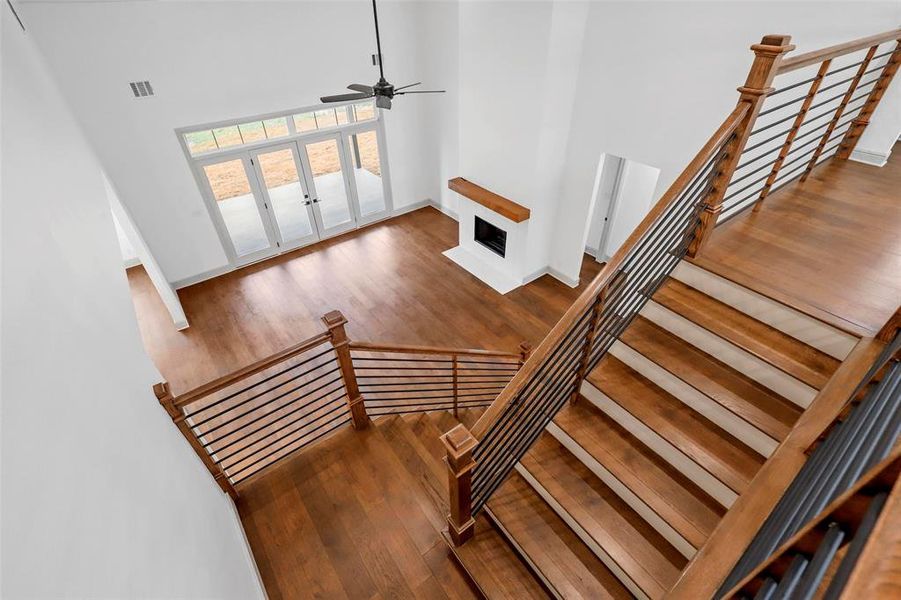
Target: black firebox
x: 492, y: 237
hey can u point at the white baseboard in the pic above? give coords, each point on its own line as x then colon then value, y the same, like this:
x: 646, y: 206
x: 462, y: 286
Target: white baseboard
x: 573, y: 283
x: 553, y: 273
x: 188, y: 281
x: 870, y: 157
x: 444, y: 209
x: 411, y: 207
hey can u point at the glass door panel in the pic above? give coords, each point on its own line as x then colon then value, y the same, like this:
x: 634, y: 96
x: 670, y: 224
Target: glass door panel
x: 241, y: 213
x: 367, y: 170
x: 324, y: 160
x: 288, y: 198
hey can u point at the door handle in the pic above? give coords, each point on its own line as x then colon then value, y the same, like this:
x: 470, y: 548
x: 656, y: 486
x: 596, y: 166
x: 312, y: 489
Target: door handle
x: 316, y: 200
x: 307, y: 203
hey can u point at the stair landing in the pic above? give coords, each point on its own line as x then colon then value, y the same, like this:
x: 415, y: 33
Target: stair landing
x: 830, y: 247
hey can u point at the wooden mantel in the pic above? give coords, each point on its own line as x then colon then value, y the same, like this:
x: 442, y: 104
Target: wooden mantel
x: 502, y: 206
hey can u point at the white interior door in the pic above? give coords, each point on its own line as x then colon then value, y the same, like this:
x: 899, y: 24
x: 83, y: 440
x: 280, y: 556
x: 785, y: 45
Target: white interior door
x: 325, y: 163
x: 288, y: 199
x: 239, y: 208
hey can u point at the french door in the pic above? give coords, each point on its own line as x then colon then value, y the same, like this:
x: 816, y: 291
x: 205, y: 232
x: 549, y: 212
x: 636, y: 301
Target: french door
x: 282, y: 196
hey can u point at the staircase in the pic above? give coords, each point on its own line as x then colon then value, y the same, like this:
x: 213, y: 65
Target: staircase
x: 631, y: 478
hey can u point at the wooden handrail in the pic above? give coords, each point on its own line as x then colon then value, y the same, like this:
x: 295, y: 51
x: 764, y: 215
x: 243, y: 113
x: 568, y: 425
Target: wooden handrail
x: 605, y: 277
x: 433, y: 350
x: 882, y: 475
x: 817, y: 56
x: 223, y: 382
x: 711, y: 565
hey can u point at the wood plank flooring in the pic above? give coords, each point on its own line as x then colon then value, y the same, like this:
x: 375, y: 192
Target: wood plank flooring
x: 830, y: 246
x: 390, y: 280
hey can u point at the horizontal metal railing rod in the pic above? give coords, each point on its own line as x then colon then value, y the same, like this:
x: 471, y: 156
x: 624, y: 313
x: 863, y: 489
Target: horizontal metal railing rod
x: 496, y: 435
x: 221, y: 459
x: 383, y: 368
x: 489, y: 362
x: 209, y: 443
x: 855, y: 548
x: 208, y: 418
x: 373, y: 347
x: 431, y: 390
x: 532, y: 399
x: 288, y: 442
x: 402, y: 359
x: 424, y: 410
x: 219, y: 426
x: 233, y: 477
x: 262, y: 381
x: 819, y: 563
x: 793, y: 86
x: 520, y: 445
x: 792, y: 576
x: 221, y: 383
x: 525, y: 404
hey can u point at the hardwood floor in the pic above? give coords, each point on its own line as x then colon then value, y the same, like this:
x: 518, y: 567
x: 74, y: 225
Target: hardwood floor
x: 358, y: 515
x: 390, y: 280
x: 830, y: 246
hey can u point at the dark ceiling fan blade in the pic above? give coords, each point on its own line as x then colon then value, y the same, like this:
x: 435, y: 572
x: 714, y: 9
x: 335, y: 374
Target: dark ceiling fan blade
x: 420, y: 92
x: 359, y: 87
x: 345, y: 97
x: 409, y: 85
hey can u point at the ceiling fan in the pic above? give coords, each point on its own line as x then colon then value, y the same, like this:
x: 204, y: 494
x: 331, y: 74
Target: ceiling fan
x: 382, y: 91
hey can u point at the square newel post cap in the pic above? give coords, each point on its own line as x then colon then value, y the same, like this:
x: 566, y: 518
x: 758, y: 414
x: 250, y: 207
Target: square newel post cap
x: 333, y: 319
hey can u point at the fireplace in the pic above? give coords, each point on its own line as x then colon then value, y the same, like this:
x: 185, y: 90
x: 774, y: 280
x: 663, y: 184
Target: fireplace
x: 492, y: 237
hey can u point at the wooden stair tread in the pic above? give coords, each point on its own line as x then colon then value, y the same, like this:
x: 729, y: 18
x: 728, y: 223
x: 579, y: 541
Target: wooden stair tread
x: 651, y: 562
x: 753, y: 402
x: 674, y: 497
x: 784, y: 352
x: 494, y: 566
x: 569, y: 567
x: 717, y: 452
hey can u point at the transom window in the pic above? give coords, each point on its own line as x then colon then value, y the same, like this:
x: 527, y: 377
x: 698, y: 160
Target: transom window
x: 237, y: 134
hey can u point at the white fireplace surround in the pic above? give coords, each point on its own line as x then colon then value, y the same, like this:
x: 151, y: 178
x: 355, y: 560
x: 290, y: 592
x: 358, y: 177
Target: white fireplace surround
x: 503, y: 274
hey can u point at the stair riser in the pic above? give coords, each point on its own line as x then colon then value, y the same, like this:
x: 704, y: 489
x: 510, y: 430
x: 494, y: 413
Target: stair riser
x: 802, y: 327
x: 699, y: 402
x: 740, y: 360
x: 685, y: 465
x: 617, y: 571
x: 634, y: 502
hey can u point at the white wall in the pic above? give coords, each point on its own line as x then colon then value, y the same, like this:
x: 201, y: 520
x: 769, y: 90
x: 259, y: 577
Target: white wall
x: 537, y: 91
x: 101, y: 495
x: 213, y: 61
x: 519, y: 62
x: 657, y: 78
x: 129, y: 234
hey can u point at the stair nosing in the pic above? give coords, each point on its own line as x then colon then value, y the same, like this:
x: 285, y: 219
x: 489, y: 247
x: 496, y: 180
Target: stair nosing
x: 751, y: 351
x: 721, y: 492
x: 753, y: 382
x: 803, y: 394
x: 556, y: 431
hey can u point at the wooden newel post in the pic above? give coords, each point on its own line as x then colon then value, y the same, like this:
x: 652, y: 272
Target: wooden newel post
x: 460, y: 443
x: 167, y: 400
x: 335, y: 322
x: 767, y: 57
